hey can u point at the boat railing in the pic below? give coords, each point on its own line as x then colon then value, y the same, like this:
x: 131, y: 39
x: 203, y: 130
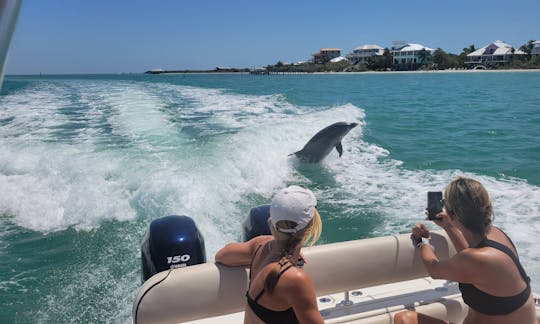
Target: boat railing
x: 209, y: 290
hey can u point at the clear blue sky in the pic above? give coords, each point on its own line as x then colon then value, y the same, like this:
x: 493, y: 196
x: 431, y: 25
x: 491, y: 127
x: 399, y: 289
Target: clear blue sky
x: 111, y: 36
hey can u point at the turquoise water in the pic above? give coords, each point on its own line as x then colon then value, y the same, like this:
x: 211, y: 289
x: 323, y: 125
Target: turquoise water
x: 88, y: 161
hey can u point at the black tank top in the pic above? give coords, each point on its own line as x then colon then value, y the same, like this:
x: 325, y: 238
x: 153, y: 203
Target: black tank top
x: 265, y: 314
x: 494, y: 305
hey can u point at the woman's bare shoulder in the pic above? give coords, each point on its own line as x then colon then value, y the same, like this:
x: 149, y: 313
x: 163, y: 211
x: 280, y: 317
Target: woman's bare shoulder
x: 296, y: 278
x: 261, y: 239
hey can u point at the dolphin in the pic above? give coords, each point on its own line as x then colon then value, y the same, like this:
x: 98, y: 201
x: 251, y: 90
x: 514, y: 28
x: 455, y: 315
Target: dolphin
x: 320, y: 145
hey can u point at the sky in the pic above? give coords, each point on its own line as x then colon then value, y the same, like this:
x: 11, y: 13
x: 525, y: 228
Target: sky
x: 132, y: 36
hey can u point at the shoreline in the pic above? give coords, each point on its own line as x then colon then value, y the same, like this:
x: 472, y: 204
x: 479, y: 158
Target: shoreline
x: 431, y: 71
x: 365, y: 72
x: 292, y: 73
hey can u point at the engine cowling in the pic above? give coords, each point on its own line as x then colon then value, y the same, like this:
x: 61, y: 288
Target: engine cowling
x: 171, y: 242
x: 257, y: 222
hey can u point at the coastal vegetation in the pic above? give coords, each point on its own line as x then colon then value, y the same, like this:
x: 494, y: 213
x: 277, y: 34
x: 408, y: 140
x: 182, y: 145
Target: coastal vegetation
x: 428, y: 61
x: 437, y: 59
x: 308, y: 67
x: 216, y: 70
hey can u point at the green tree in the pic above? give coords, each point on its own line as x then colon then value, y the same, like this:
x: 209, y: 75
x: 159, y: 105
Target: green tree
x: 439, y: 58
x: 527, y: 48
x: 380, y: 62
x: 424, y: 56
x: 466, y: 51
x: 470, y: 49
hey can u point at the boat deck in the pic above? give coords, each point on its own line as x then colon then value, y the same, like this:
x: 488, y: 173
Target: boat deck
x: 393, y: 280
x: 377, y: 304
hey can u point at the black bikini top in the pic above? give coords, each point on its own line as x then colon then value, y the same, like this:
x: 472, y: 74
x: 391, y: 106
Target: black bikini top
x: 494, y: 305
x: 265, y: 314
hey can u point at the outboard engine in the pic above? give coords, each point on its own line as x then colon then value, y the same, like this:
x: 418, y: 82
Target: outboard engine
x: 171, y: 242
x: 257, y: 222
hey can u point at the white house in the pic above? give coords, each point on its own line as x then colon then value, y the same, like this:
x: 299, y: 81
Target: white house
x: 409, y: 53
x: 536, y: 49
x: 337, y: 59
x: 496, y: 52
x: 362, y: 53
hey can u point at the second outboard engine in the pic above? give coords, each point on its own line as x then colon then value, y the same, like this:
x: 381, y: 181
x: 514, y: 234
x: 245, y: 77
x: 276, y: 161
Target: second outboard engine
x: 171, y: 242
x: 257, y: 222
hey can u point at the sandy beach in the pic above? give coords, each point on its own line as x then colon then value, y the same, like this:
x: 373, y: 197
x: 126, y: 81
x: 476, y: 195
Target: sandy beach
x: 369, y: 72
x: 428, y: 72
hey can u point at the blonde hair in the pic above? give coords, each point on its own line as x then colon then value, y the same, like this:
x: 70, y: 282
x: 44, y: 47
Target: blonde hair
x: 310, y: 234
x: 469, y: 201
x: 313, y: 232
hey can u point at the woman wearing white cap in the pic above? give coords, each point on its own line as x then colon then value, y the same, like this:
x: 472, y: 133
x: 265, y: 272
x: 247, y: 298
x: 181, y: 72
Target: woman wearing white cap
x: 280, y: 291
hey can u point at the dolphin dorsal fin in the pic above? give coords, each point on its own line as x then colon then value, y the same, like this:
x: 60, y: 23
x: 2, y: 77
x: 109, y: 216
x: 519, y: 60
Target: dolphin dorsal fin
x: 339, y: 148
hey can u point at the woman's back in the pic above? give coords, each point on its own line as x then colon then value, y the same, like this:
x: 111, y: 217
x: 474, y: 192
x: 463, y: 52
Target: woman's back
x: 270, y: 306
x: 491, y: 279
x: 292, y: 300
x: 278, y: 291
x: 502, y: 295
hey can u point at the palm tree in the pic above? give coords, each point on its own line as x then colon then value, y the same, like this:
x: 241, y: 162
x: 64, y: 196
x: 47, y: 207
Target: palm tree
x: 469, y: 50
x: 423, y: 56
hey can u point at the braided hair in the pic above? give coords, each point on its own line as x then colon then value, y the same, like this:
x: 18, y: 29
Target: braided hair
x: 311, y: 233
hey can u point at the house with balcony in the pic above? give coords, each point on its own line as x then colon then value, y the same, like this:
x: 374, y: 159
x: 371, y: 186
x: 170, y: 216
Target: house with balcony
x: 409, y: 56
x: 497, y: 52
x: 536, y: 49
x: 361, y: 54
x: 325, y: 55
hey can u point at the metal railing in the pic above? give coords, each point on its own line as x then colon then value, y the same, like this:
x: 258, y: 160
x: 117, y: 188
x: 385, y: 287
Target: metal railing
x: 9, y: 12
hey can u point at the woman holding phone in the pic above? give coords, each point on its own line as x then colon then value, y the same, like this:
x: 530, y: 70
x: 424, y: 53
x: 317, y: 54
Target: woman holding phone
x: 491, y: 279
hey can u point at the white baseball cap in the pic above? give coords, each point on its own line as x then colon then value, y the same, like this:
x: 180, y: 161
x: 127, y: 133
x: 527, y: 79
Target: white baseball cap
x: 294, y: 204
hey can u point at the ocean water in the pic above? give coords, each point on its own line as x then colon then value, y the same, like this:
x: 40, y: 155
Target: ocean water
x: 88, y: 161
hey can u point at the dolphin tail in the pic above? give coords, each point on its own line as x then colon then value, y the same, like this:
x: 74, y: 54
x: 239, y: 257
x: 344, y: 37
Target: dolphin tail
x: 339, y: 148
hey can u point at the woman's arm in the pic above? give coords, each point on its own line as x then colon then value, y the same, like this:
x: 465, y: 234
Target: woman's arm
x: 240, y: 254
x: 457, y: 238
x: 301, y: 295
x: 467, y: 266
x: 444, y: 220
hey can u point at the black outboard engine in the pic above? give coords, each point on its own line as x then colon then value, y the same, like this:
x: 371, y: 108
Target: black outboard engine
x: 171, y: 242
x: 257, y: 222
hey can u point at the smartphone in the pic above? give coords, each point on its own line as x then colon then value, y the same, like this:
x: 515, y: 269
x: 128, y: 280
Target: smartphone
x: 434, y: 204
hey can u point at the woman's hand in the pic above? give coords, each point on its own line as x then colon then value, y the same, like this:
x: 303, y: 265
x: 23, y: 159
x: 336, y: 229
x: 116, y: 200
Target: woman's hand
x: 418, y: 231
x: 443, y: 220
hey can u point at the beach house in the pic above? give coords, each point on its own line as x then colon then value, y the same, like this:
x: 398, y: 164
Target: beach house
x: 536, y: 49
x: 325, y: 55
x: 362, y: 53
x: 497, y: 52
x: 407, y: 56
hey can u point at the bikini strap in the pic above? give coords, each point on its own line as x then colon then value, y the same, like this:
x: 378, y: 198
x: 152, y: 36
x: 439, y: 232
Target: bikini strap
x: 283, y: 271
x: 509, y: 239
x: 279, y: 276
x: 503, y: 248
